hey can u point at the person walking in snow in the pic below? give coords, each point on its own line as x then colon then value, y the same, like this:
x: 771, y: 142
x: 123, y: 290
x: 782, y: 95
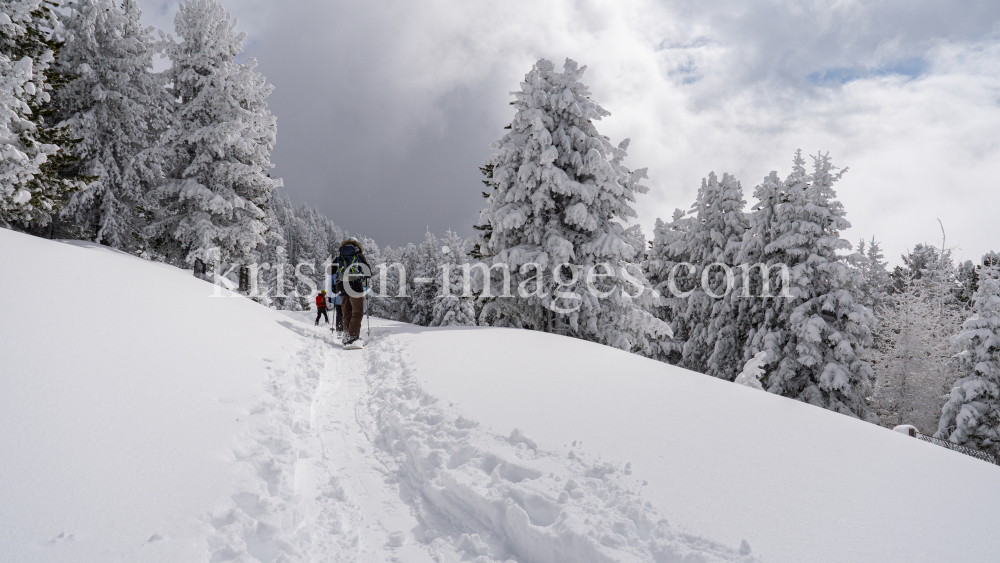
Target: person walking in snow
x: 321, y: 307
x: 353, y: 272
x: 338, y: 311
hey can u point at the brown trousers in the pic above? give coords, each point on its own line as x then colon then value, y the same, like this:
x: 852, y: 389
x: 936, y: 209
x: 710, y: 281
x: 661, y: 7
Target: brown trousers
x: 354, y: 311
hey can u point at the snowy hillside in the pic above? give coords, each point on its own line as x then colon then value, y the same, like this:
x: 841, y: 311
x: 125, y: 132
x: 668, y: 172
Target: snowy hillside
x: 143, y: 419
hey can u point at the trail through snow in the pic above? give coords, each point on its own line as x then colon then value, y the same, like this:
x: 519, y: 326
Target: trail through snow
x: 314, y: 490
x: 350, y: 460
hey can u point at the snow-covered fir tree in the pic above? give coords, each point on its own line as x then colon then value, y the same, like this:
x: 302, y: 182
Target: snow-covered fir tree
x: 559, y: 195
x: 637, y: 240
x: 218, y: 149
x: 451, y: 308
x: 875, y: 282
x: 36, y: 180
x: 713, y: 235
x: 390, y: 295
x: 396, y: 300
x: 744, y: 311
x: 119, y: 108
x: 815, y: 331
x: 660, y: 260
x: 966, y: 280
x: 427, y: 279
x: 972, y: 414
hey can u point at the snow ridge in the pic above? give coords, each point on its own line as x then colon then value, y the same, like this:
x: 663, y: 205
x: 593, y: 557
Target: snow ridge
x: 500, y: 498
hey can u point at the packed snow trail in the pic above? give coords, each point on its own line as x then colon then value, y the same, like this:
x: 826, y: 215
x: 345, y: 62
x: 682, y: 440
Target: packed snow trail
x: 314, y: 491
x: 349, y: 460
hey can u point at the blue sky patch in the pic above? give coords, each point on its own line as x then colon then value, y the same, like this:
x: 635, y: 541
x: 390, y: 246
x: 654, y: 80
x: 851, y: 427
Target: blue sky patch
x: 912, y: 68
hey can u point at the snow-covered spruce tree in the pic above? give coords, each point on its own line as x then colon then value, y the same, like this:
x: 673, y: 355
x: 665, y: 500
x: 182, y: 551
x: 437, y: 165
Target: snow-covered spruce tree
x: 36, y: 179
x: 559, y: 196
x: 815, y: 335
x: 664, y: 254
x: 972, y: 414
x: 119, y: 109
x: 427, y: 280
x: 966, y: 279
x: 875, y: 282
x: 637, y: 240
x: 450, y: 307
x: 218, y: 148
x: 382, y: 302
x: 713, y: 236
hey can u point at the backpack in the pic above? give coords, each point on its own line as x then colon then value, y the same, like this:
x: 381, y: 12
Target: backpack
x: 349, y: 262
x: 320, y: 300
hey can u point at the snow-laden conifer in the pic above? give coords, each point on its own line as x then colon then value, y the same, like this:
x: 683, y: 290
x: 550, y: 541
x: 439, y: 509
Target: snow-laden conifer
x: 816, y: 335
x: 812, y: 328
x: 713, y: 236
x: 559, y: 195
x: 875, y: 282
x: 972, y: 414
x: 450, y: 307
x: 118, y: 109
x: 663, y: 256
x: 426, y: 279
x: 218, y: 149
x: 35, y: 156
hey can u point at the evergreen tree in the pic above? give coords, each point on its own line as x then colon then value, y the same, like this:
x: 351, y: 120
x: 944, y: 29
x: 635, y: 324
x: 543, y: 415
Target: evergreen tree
x: 967, y: 279
x: 119, y: 109
x: 214, y: 197
x: 713, y: 236
x: 821, y: 330
x: 36, y: 179
x: 875, y: 282
x: 559, y: 195
x: 637, y: 240
x: 665, y: 252
x: 384, y: 302
x: 427, y: 280
x: 813, y: 329
x: 972, y: 414
x: 451, y: 308
x: 744, y: 311
x: 485, y: 230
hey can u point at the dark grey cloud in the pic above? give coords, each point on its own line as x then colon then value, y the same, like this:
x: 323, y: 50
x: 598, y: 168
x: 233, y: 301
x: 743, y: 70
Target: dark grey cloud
x: 386, y: 109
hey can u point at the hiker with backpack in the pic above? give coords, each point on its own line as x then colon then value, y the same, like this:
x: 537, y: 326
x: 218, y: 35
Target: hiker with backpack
x: 353, y: 272
x: 321, y: 307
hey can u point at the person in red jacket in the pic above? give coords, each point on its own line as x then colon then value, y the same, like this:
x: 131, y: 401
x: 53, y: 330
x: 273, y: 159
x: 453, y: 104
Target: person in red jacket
x: 321, y: 307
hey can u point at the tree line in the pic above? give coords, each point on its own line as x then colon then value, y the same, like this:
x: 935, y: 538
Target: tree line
x: 174, y: 167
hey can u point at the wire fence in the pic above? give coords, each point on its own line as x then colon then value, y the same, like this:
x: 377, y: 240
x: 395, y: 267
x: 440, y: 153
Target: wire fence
x: 985, y: 456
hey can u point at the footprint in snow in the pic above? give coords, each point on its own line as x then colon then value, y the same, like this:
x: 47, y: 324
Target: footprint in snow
x: 396, y: 539
x: 63, y: 536
x: 154, y: 538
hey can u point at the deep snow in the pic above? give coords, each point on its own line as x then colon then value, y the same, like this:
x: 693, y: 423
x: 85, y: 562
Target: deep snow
x: 725, y: 461
x: 142, y: 419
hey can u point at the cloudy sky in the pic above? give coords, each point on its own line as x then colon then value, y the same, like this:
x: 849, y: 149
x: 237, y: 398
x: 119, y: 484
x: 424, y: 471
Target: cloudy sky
x: 386, y: 109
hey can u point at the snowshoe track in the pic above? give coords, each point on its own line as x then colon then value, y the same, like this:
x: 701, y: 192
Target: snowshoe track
x: 348, y: 459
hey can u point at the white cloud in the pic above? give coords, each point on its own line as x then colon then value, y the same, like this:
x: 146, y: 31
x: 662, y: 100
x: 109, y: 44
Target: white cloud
x: 904, y: 94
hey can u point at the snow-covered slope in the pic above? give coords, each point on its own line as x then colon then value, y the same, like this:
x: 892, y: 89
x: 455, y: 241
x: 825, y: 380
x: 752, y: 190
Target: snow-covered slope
x: 142, y: 419
x: 123, y: 389
x: 725, y: 461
